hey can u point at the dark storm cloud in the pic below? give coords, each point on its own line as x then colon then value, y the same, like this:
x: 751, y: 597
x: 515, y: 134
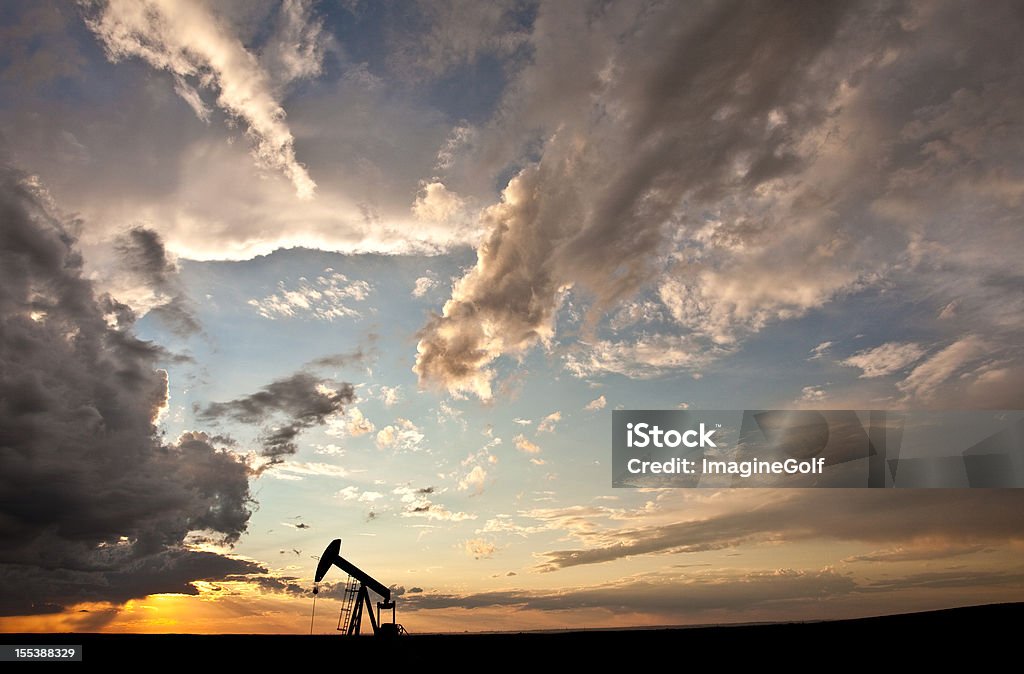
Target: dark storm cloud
x: 120, y: 577
x: 95, y: 507
x: 296, y: 396
x: 894, y: 516
x: 142, y: 254
x: 301, y: 400
x: 177, y: 314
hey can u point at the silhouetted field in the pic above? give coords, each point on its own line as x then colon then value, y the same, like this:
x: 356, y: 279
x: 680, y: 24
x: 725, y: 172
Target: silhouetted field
x: 942, y: 636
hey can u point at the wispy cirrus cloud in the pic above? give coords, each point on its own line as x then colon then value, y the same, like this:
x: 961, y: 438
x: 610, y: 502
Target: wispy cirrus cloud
x: 931, y: 517
x: 188, y: 40
x: 886, y: 359
x: 327, y: 297
x: 675, y: 594
x: 925, y: 379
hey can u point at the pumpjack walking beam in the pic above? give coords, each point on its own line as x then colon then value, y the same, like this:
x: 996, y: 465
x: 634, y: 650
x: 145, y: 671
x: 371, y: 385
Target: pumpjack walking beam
x: 332, y: 557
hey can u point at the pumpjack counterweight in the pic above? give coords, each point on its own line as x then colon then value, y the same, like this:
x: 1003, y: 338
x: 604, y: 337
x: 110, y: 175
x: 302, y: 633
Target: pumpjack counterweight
x: 354, y: 599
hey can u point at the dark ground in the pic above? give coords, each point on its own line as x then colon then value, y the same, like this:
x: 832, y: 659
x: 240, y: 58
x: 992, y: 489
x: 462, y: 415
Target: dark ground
x: 975, y: 636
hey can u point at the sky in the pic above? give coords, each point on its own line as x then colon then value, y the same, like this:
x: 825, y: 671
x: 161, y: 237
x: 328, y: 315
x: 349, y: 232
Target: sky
x: 274, y: 273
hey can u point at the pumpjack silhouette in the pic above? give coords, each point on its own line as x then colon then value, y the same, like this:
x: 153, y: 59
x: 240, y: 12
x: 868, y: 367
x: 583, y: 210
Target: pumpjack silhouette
x: 356, y: 595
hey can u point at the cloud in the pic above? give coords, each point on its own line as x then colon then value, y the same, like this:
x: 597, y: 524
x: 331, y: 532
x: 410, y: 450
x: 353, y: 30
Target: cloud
x: 142, y: 253
x: 352, y: 423
x: 98, y: 506
x: 325, y: 298
x: 477, y: 548
x: 637, y: 312
x: 924, y: 380
x: 919, y: 553
x: 189, y: 41
x: 417, y: 504
x: 337, y: 360
x: 998, y: 580
x: 964, y: 517
x: 446, y: 412
x: 403, y: 435
x: 423, y: 285
x: 457, y: 33
x: 117, y: 579
x: 144, y: 260
x: 296, y: 49
x: 645, y: 358
x: 548, y: 423
x: 886, y: 359
x: 665, y: 594
x: 437, y: 204
x: 390, y: 395
x: 300, y: 395
x: 581, y: 209
x: 196, y: 184
x: 995, y: 386
x: 812, y: 394
x: 670, y: 212
x: 352, y: 493
x: 525, y: 445
x: 297, y: 470
x: 39, y: 46
x: 820, y: 350
x: 300, y: 401
x: 474, y: 480
x: 598, y: 403
x: 275, y: 584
